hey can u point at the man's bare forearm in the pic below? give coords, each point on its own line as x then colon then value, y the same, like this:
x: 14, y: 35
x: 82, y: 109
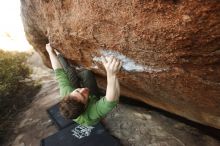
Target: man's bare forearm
x: 54, y: 61
x: 53, y: 58
x: 113, y: 88
x: 112, y: 66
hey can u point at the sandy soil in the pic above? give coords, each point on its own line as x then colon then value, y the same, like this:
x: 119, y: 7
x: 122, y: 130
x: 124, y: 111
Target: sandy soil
x: 134, y: 126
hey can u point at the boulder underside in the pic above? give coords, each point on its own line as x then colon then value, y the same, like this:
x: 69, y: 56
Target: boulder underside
x: 170, y: 48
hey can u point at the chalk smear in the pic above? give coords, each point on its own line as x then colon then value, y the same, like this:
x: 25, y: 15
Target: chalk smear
x: 129, y: 64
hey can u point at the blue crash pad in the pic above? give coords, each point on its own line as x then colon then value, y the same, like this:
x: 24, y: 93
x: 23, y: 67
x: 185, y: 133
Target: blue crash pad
x: 72, y: 133
x: 78, y: 135
x: 57, y: 118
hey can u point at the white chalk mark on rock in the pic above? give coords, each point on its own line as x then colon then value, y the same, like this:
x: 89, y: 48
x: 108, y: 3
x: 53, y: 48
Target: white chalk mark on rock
x: 129, y: 64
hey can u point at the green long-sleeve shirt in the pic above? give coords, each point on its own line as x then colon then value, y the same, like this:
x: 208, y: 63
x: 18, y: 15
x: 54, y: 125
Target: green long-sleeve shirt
x: 96, y: 109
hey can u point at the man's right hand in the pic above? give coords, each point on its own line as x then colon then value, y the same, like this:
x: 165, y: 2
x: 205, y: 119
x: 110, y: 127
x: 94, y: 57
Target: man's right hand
x: 111, y: 64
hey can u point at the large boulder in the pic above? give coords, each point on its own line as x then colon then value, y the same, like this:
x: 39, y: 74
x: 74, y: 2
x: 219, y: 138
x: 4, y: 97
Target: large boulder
x: 170, y: 48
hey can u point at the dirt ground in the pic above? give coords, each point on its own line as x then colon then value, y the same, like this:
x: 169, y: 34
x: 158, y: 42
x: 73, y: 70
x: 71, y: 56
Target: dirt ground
x: 133, y: 125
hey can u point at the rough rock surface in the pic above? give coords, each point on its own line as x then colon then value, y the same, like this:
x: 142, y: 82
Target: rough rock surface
x: 170, y: 48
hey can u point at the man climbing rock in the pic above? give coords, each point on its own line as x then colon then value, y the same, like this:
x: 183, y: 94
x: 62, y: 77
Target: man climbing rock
x: 80, y: 94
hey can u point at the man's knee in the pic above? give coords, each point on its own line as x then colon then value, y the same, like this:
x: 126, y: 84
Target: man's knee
x: 87, y: 73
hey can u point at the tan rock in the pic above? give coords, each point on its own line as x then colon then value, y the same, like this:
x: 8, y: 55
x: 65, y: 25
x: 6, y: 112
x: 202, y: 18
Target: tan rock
x: 170, y: 49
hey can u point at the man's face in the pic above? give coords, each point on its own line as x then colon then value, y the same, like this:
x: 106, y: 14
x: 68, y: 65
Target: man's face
x: 81, y: 94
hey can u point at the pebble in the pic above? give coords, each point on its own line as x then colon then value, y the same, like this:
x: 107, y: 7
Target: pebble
x: 123, y: 125
x: 23, y: 123
x: 18, y: 140
x: 147, y: 116
x: 186, y: 18
x: 125, y: 133
x: 21, y: 144
x: 47, y: 123
x: 143, y: 116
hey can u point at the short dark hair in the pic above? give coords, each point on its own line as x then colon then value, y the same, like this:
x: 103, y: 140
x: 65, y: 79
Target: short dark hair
x: 71, y: 108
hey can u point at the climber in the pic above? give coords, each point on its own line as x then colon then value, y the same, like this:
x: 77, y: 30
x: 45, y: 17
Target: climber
x: 80, y: 94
